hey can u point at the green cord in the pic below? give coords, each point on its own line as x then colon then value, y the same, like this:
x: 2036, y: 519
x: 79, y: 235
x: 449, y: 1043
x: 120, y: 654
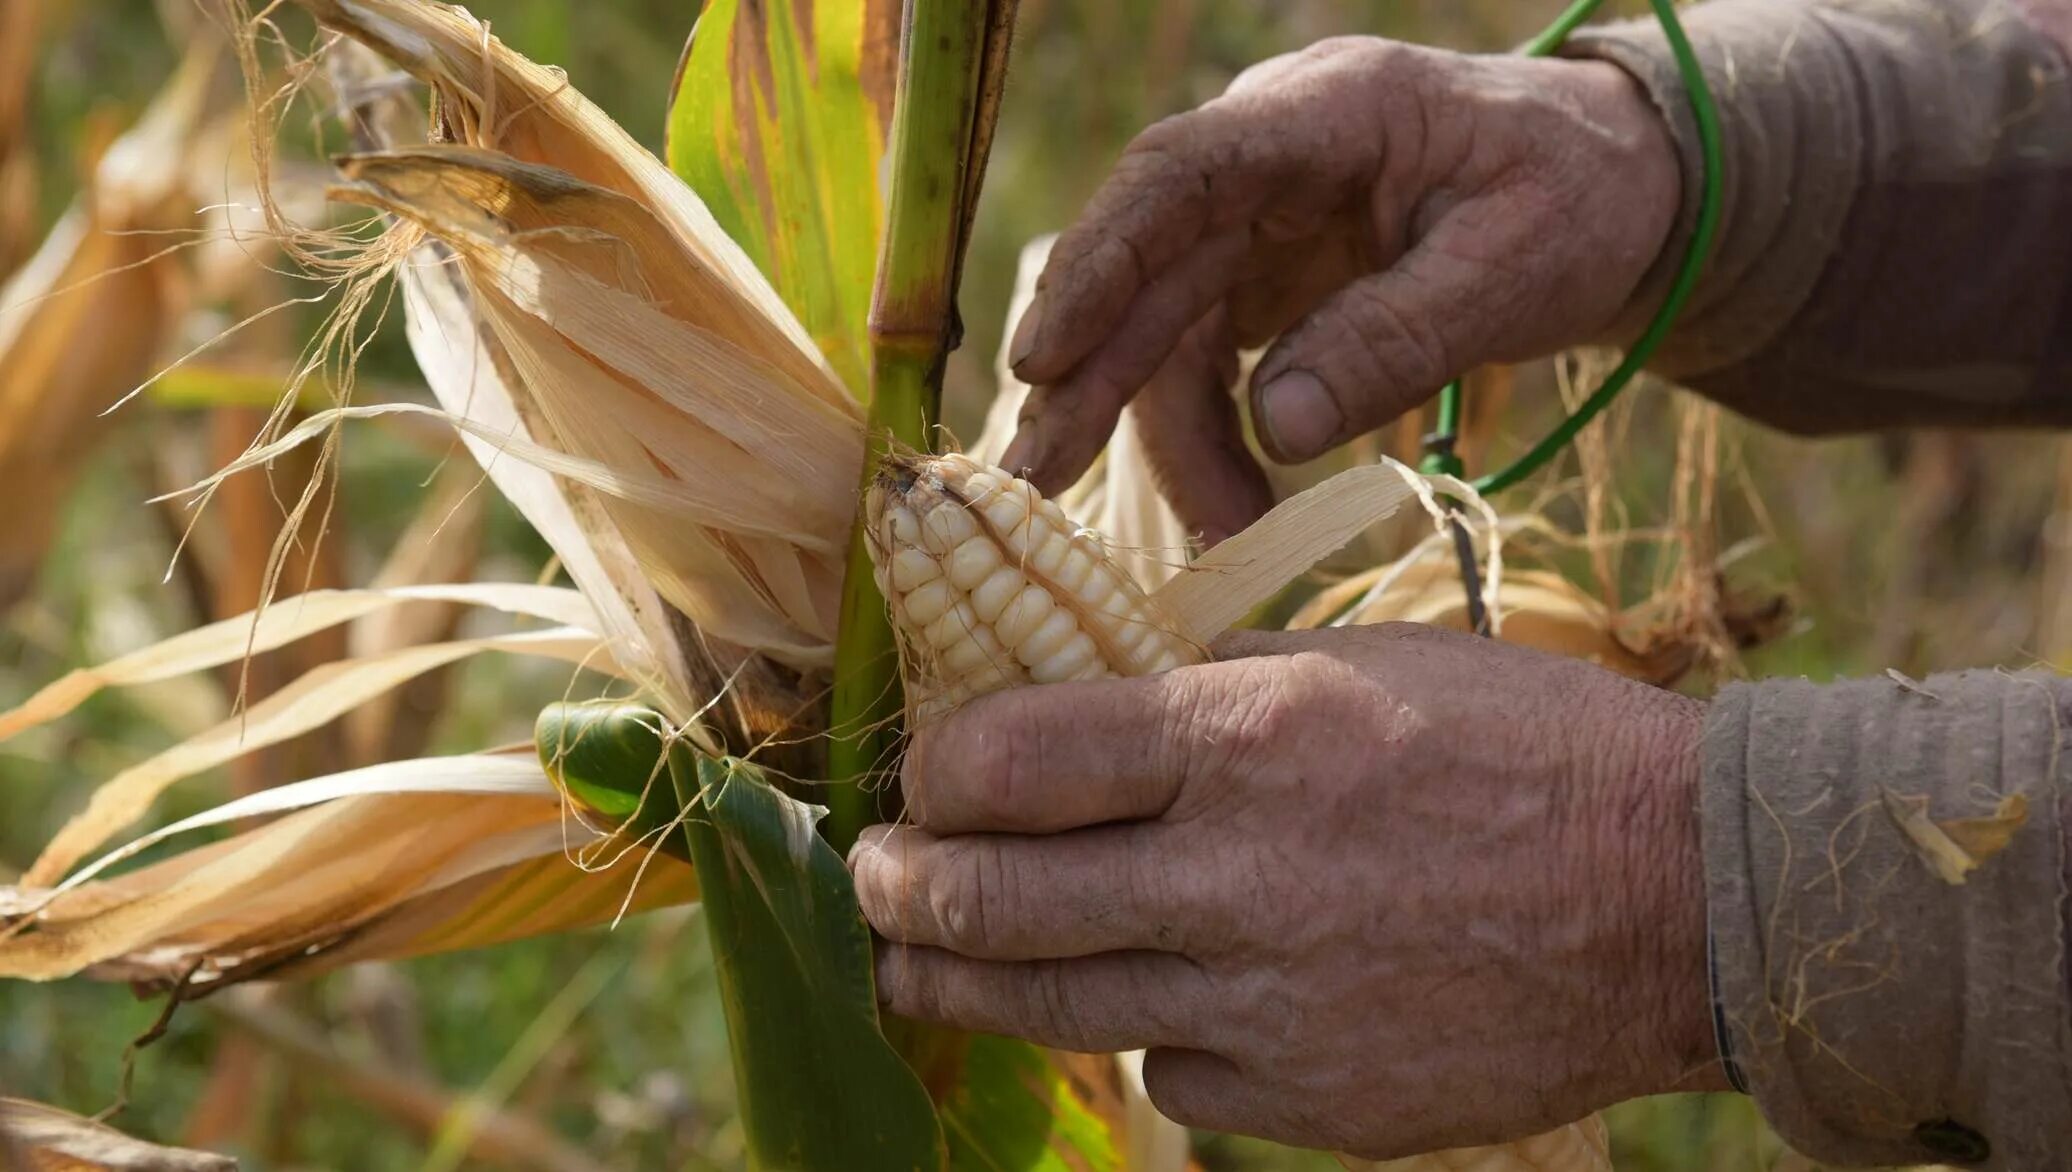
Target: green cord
x: 1711, y: 193
x: 1441, y: 459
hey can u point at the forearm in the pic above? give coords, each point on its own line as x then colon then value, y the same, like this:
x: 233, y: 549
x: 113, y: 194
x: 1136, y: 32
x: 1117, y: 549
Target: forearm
x: 1896, y: 241
x: 1886, y: 875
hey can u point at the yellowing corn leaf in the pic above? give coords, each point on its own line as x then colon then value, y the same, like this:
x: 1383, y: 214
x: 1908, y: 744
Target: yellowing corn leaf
x: 316, y: 698
x: 392, y: 860
x: 778, y: 122
x: 84, y: 322
x: 37, y: 1138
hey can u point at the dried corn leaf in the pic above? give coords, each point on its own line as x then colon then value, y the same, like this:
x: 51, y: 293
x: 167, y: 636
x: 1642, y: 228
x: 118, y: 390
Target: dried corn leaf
x: 392, y: 860
x: 281, y: 623
x: 316, y: 698
x: 37, y: 1138
x: 778, y: 122
x: 84, y: 322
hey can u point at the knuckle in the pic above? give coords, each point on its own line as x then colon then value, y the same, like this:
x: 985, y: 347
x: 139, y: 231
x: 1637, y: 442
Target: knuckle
x: 1401, y: 346
x: 1052, y: 1008
x: 977, y: 765
x: 971, y: 899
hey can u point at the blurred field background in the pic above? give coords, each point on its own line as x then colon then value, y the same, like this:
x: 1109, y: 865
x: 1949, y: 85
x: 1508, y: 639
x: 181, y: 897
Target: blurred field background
x: 605, y: 1049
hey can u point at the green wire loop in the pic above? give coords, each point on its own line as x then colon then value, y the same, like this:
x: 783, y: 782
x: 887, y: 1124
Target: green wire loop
x: 1440, y: 455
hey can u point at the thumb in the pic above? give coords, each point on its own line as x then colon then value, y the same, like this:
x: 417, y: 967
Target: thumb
x: 1373, y: 350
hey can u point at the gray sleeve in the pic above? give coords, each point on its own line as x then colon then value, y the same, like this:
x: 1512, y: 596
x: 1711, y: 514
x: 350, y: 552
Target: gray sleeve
x: 1896, y: 247
x: 1885, y: 886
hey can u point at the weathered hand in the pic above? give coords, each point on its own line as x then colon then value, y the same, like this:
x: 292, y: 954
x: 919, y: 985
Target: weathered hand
x: 1377, y: 890
x: 1395, y: 215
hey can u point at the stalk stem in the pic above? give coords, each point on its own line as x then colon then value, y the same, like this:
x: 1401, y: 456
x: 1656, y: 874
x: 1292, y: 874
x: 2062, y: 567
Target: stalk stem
x: 952, y: 56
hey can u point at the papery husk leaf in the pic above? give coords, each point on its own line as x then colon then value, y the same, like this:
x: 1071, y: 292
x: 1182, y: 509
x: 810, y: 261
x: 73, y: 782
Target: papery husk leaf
x: 1245, y: 570
x: 314, y: 699
x: 282, y: 622
x: 778, y: 120
x: 472, y: 378
x: 762, y: 466
x: 39, y: 1138
x: 539, y: 118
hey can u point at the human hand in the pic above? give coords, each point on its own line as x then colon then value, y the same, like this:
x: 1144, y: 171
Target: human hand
x: 1378, y: 890
x: 1395, y: 215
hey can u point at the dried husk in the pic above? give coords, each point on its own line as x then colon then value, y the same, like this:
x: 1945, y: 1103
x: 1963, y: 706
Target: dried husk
x: 38, y: 1138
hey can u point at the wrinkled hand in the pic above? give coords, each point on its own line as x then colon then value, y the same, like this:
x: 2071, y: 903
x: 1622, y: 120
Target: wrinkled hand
x: 1377, y: 890
x: 1395, y: 215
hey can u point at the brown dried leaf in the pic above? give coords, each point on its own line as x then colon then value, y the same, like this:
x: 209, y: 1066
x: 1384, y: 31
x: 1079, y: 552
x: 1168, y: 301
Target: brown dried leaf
x: 1954, y: 849
x: 37, y: 1138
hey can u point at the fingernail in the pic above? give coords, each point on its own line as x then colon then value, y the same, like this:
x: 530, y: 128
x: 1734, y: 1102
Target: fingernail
x: 1025, y: 333
x: 1299, y: 417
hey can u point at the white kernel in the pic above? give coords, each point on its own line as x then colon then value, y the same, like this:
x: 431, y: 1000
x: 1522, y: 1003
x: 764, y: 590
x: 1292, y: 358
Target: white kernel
x: 991, y: 596
x: 1166, y: 661
x: 968, y: 656
x: 1006, y: 510
x: 1047, y: 548
x: 901, y: 528
x: 1067, y: 661
x: 911, y: 567
x: 1077, y: 572
x: 946, y: 527
x: 927, y: 602
x: 955, y: 625
x: 1020, y: 618
x: 1049, y: 637
x: 971, y: 563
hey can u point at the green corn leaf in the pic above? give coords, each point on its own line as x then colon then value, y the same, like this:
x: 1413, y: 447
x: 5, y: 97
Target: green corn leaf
x: 820, y: 1087
x: 778, y: 121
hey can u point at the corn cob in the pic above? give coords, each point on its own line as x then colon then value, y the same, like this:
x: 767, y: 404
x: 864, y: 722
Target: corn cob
x: 992, y: 586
